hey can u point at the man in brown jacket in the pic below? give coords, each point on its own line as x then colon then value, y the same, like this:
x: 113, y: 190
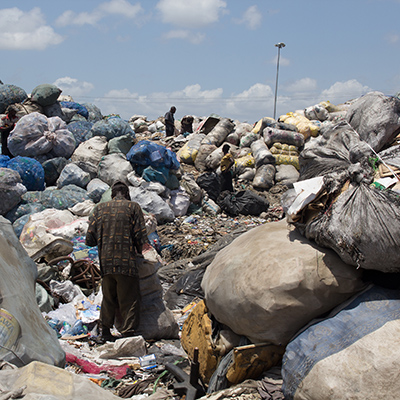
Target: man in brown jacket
x: 117, y: 227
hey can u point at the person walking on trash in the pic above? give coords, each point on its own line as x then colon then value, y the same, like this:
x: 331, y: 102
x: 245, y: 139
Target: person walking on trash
x: 170, y: 121
x: 118, y: 228
x: 226, y: 164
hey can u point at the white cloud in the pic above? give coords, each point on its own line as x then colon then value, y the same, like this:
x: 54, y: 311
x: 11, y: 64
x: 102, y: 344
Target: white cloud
x: 191, y: 13
x: 72, y: 87
x: 251, y: 18
x: 192, y: 37
x: 392, y: 38
x: 121, y: 7
x: 283, y: 62
x: 302, y: 85
x: 249, y: 105
x: 26, y: 30
x: 343, y: 91
x: 113, y: 7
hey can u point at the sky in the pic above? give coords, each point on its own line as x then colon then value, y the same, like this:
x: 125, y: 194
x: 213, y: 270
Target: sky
x: 202, y: 56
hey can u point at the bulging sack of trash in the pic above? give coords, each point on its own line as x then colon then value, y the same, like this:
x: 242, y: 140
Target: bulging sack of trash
x: 316, y: 112
x: 11, y: 190
x: 156, y: 320
x: 152, y: 203
x: 188, y: 152
x: 89, y: 154
x: 114, y: 167
x: 43, y: 228
x: 261, y: 153
x: 145, y: 153
x: 52, y: 169
x: 60, y: 199
x: 30, y: 171
x: 264, y: 177
x: 179, y: 202
x: 286, y: 174
x: 244, y: 202
x: 254, y: 287
x: 111, y: 128
x: 73, y: 175
x: 80, y: 130
x: 247, y: 139
x: 45, y: 94
x: 219, y: 133
x: 42, y: 138
x: 213, y: 160
x: 362, y: 227
x: 275, y: 135
x: 346, y: 356
x: 204, y: 151
x: 10, y: 94
x: 81, y: 109
x: 188, y: 183
x: 96, y: 188
x: 120, y: 144
x: 376, y: 118
x: 26, y: 336
x: 94, y: 112
x: 243, y: 163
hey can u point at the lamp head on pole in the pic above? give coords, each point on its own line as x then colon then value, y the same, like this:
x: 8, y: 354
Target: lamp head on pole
x: 280, y: 45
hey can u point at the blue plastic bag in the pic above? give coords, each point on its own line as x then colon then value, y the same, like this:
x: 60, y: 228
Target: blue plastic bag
x: 30, y: 171
x: 148, y: 153
x: 75, y: 106
x: 80, y: 130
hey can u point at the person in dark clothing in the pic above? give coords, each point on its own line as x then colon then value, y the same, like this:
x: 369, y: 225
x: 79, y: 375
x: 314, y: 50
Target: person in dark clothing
x: 118, y: 228
x: 7, y: 124
x: 170, y: 122
x: 187, y: 124
x: 226, y: 164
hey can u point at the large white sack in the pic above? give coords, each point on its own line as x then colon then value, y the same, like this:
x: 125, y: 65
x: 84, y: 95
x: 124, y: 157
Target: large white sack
x: 352, y: 354
x: 89, y: 153
x: 73, y: 175
x: 19, y: 310
x: 179, y: 202
x: 35, y: 135
x: 40, y: 381
x: 47, y: 226
x: 271, y: 281
x: 152, y: 203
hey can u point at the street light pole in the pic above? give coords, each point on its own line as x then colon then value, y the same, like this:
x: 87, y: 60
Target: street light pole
x: 279, y: 46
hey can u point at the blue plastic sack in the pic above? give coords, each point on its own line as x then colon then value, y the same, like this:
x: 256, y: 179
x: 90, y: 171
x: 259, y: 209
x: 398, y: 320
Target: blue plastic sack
x: 111, y: 128
x: 151, y: 174
x: 153, y: 154
x: 22, y: 210
x: 4, y: 161
x: 82, y: 110
x: 61, y: 199
x: 30, y: 171
x: 10, y: 94
x: 80, y: 130
x: 18, y: 225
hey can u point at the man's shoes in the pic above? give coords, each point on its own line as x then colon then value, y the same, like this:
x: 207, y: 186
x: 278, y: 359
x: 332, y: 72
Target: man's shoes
x: 104, y: 338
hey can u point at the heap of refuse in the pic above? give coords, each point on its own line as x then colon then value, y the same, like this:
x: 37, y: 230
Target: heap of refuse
x: 282, y: 301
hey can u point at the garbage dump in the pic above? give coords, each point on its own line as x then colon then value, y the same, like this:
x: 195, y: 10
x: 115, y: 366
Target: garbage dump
x: 232, y: 281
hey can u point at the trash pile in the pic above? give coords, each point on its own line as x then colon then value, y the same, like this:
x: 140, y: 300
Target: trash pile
x: 241, y: 290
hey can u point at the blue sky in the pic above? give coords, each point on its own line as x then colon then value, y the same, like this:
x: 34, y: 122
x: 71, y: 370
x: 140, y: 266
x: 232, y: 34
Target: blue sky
x: 203, y: 56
